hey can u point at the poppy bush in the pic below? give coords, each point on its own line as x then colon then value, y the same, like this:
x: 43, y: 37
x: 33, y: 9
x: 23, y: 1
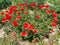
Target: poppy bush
x: 29, y: 21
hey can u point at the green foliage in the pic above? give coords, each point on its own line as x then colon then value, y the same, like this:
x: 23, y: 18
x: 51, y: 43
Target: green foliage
x: 38, y: 1
x: 1, y: 1
x: 27, y: 1
x: 4, y: 3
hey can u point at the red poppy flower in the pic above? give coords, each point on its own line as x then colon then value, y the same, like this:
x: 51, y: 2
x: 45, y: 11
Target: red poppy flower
x: 14, y: 34
x: 33, y: 5
x: 21, y: 4
x: 4, y: 20
x: 51, y: 43
x: 52, y: 11
x: 35, y: 31
x: 23, y: 34
x: 18, y: 12
x: 15, y: 23
x: 55, y: 19
x: 10, y: 11
x: 53, y: 24
x: 26, y: 25
x: 26, y: 13
x: 54, y: 15
x: 11, y: 7
x: 47, y: 6
x: 14, y: 8
x: 8, y: 17
x: 7, y: 11
x: 48, y: 11
x: 18, y: 17
x: 45, y: 44
x: 41, y: 6
x: 51, y: 31
x: 37, y: 16
x: 2, y: 13
x: 27, y: 6
x: 31, y: 27
x: 22, y: 8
